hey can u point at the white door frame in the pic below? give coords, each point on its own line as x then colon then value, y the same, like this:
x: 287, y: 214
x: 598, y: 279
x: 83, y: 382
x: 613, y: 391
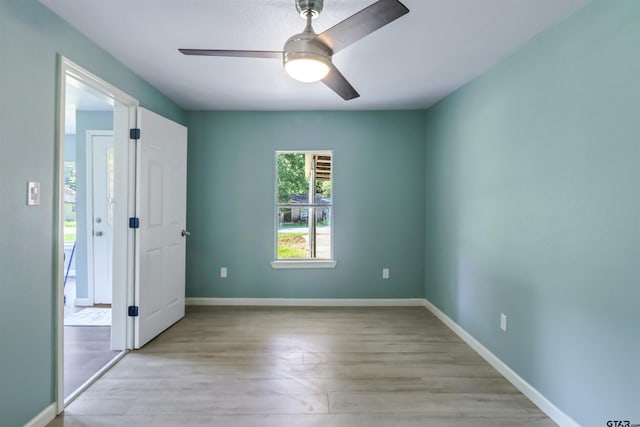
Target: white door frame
x: 89, y: 210
x: 125, y: 110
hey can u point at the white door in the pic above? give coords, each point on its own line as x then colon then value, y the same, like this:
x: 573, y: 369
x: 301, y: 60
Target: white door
x: 161, y: 243
x: 101, y: 236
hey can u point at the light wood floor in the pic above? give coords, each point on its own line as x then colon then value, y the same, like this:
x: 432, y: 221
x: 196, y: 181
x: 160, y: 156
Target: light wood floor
x: 236, y: 366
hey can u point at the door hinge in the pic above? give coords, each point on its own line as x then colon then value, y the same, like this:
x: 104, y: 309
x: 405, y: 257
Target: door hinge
x: 133, y: 311
x: 134, y: 133
x: 134, y: 222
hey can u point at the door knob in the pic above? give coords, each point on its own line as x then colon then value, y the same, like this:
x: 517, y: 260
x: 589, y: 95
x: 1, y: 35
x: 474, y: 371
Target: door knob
x: 185, y: 233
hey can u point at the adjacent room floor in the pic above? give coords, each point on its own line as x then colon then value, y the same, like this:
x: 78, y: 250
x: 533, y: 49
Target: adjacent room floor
x: 86, y: 350
x: 87, y: 346
x: 246, y: 366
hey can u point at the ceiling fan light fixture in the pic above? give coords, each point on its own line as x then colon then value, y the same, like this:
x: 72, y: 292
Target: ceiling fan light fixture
x: 306, y: 59
x: 307, y: 70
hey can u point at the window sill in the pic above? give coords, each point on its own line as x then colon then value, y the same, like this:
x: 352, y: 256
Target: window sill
x: 329, y: 263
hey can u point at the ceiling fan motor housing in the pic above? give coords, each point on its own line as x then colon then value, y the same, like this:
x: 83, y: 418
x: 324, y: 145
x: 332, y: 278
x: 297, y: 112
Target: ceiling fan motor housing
x: 303, y: 46
x: 314, y: 7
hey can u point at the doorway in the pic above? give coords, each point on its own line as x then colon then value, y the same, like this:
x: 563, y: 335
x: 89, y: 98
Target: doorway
x: 87, y: 179
x: 96, y: 187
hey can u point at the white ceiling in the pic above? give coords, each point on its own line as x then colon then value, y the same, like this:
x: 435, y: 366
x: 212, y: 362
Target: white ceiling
x: 411, y: 63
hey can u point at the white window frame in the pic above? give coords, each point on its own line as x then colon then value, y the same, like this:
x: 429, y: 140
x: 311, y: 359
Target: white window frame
x: 300, y: 263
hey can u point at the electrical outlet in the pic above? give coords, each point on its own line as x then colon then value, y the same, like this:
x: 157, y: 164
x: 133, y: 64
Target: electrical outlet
x: 385, y: 273
x: 223, y: 272
x: 503, y: 322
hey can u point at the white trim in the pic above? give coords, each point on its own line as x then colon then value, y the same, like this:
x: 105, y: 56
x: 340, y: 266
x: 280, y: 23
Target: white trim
x: 304, y: 264
x: 308, y: 302
x: 77, y: 72
x: 88, y: 171
x: 82, y: 302
x: 124, y: 115
x: 324, y: 152
x: 73, y: 396
x: 129, y: 275
x: 43, y: 418
x: 527, y: 389
x: 58, y: 227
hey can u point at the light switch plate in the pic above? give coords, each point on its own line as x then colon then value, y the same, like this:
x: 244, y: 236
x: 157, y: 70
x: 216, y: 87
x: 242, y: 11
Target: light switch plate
x: 33, y: 193
x: 223, y: 272
x: 385, y: 273
x: 503, y: 322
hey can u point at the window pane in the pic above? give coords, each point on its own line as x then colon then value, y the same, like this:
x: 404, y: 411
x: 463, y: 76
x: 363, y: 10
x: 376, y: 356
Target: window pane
x: 323, y: 193
x: 294, y: 175
x: 293, y: 233
x: 323, y: 233
x: 323, y: 179
x: 293, y: 185
x: 304, y: 205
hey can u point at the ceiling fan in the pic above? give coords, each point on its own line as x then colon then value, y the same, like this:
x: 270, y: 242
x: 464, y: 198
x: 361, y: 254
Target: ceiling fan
x: 307, y: 56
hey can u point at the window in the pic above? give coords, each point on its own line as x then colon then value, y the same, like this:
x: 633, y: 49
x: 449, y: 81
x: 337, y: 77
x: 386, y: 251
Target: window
x: 304, y: 210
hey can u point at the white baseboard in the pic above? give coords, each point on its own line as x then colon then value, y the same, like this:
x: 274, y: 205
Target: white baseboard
x: 82, y: 302
x: 527, y: 389
x: 308, y: 302
x: 43, y: 418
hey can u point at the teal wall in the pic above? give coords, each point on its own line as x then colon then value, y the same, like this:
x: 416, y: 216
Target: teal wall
x: 533, y: 210
x: 85, y: 120
x: 528, y: 203
x: 378, y: 198
x: 31, y: 38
